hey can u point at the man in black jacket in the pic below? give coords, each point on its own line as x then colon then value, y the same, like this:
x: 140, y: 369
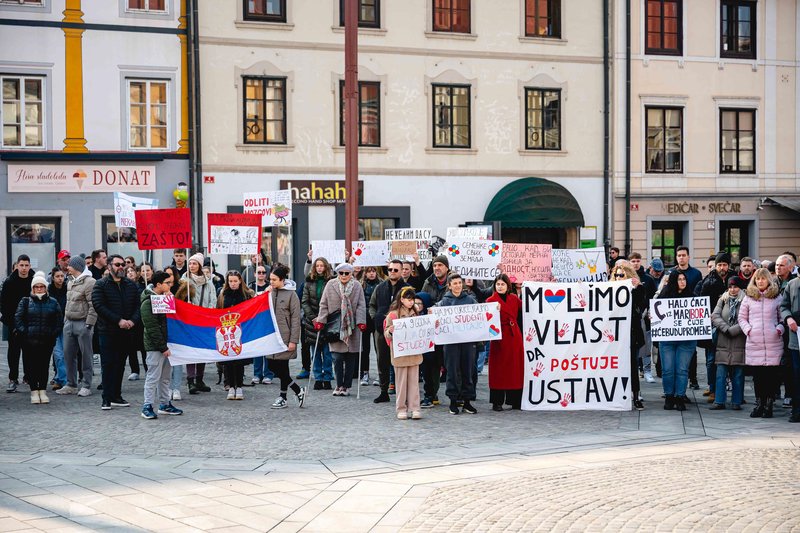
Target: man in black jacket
x: 714, y: 286
x: 15, y: 288
x: 115, y: 298
x: 382, y: 298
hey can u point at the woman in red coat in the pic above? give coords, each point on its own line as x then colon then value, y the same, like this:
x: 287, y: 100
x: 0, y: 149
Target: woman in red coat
x: 506, y: 355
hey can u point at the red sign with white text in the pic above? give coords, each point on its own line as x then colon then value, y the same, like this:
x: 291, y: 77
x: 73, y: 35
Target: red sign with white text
x: 164, y: 229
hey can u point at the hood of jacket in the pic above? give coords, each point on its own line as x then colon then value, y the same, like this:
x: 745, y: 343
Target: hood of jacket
x: 289, y: 285
x: 147, y: 293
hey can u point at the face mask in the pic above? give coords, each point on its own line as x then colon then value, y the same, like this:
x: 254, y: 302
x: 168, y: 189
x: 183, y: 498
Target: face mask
x: 40, y: 296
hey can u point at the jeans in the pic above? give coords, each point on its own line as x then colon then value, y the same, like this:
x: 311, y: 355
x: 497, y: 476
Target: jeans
x: 645, y: 353
x: 711, y: 367
x: 431, y: 371
x: 113, y: 354
x: 58, y: 360
x: 459, y: 360
x: 345, y: 365
x: 323, y: 364
x: 737, y: 384
x: 78, y: 339
x: 483, y: 353
x: 156, y: 382
x: 176, y: 378
x: 675, y: 358
x: 261, y: 368
x: 795, y: 354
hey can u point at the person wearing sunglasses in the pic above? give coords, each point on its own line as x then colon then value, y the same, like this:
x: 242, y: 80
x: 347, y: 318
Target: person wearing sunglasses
x: 623, y: 271
x: 345, y: 295
x: 261, y: 372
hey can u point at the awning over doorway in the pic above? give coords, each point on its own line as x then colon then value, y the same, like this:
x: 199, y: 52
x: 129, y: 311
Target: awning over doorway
x: 534, y: 203
x: 792, y: 203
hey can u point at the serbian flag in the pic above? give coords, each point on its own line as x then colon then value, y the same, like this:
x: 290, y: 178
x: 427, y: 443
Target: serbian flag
x: 201, y: 335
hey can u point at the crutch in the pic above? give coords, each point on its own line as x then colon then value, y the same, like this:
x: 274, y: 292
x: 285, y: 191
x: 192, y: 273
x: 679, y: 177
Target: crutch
x: 313, y: 359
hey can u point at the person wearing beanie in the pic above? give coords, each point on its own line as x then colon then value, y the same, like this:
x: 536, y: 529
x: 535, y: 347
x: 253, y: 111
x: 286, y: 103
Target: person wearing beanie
x: 730, y: 346
x: 713, y: 285
x: 79, y: 320
x: 37, y: 323
x: 204, y: 294
x: 15, y: 287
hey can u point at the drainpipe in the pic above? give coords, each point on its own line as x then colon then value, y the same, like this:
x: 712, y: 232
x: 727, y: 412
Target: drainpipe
x: 606, y: 124
x: 627, y: 127
x: 195, y: 155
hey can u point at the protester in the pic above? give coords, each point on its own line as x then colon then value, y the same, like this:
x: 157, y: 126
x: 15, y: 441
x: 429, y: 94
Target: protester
x: 79, y: 321
x: 760, y: 320
x: 177, y: 370
x: 286, y: 306
x: 790, y: 314
x: 635, y: 259
x: 205, y: 295
x: 507, y: 370
x: 179, y: 262
x: 406, y: 368
x: 784, y: 273
x: 37, y: 323
x: 621, y: 272
x: 713, y: 286
x: 261, y: 372
x: 379, y: 303
x: 157, y: 380
x: 414, y: 272
x: 99, y: 263
x: 316, y: 280
x: 693, y: 277
x: 676, y: 355
x: 371, y: 279
x: 15, y: 287
x: 137, y: 333
x: 57, y: 290
x: 346, y: 296
x: 233, y: 293
x: 436, y: 287
x: 730, y: 345
x: 746, y: 269
x: 62, y: 260
x: 613, y: 255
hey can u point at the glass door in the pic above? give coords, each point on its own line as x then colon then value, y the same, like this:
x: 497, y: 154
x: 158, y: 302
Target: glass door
x: 38, y: 238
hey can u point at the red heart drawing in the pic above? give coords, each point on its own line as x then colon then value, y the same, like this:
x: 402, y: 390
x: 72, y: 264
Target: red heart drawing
x: 358, y: 251
x: 489, y: 316
x: 494, y: 328
x: 430, y: 345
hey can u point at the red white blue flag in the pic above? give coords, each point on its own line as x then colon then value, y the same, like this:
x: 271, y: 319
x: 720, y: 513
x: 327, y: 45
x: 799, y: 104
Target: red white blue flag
x: 201, y: 335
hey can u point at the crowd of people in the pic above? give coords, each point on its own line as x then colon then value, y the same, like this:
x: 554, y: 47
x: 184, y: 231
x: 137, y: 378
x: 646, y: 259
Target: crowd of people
x: 335, y: 317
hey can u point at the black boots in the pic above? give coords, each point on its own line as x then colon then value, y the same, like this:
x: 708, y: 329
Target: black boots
x: 680, y: 403
x: 758, y: 410
x: 201, y: 386
x: 192, y: 386
x: 669, y: 403
x: 768, y: 409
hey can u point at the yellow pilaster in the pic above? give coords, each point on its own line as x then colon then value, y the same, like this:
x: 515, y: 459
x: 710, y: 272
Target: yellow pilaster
x: 183, y: 143
x: 74, y: 142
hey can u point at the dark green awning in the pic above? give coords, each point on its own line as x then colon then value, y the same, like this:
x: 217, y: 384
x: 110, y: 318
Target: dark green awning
x: 534, y: 203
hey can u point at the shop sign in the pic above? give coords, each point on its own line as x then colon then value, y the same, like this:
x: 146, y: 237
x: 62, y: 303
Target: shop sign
x: 320, y: 192
x: 692, y: 208
x: 78, y: 178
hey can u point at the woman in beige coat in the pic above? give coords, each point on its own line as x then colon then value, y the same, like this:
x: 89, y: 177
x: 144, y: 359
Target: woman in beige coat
x: 345, y: 295
x: 285, y: 304
x: 406, y: 368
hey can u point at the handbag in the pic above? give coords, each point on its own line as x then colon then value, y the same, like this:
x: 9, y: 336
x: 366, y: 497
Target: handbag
x: 333, y: 327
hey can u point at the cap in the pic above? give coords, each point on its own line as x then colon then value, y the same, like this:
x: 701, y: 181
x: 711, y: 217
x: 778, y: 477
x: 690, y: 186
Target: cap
x: 657, y: 264
x: 64, y: 253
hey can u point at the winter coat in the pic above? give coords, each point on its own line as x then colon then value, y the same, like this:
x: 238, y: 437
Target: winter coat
x: 155, y: 326
x: 419, y: 280
x: 79, y: 300
x: 312, y: 292
x: 791, y: 308
x: 59, y: 295
x: 205, y: 293
x: 115, y: 301
x: 382, y: 298
x: 369, y: 290
x: 507, y: 369
x: 286, y: 306
x: 406, y: 360
x: 331, y: 302
x: 693, y: 277
x: 712, y: 286
x: 38, y: 320
x: 638, y: 308
x: 464, y: 298
x: 432, y: 287
x: 730, y: 338
x: 14, y: 289
x: 760, y: 320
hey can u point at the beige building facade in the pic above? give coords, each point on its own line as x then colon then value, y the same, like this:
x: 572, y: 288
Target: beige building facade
x: 715, y: 132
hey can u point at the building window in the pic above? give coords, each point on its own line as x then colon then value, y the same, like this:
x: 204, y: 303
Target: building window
x: 369, y: 13
x: 373, y: 229
x: 451, y: 16
x: 147, y: 5
x: 148, y: 114
x: 664, y: 27
x: 737, y: 140
x: 543, y: 18
x: 265, y: 110
x: 542, y: 119
x: 369, y: 113
x: 23, y: 2
x: 734, y: 238
x: 38, y: 238
x: 665, y: 237
x: 451, y: 116
x: 738, y: 32
x: 122, y: 241
x: 265, y: 10
x: 664, y: 139
x: 22, y: 112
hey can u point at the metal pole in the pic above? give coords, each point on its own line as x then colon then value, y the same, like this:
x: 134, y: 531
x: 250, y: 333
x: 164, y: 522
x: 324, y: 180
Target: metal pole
x: 627, y: 127
x: 351, y: 120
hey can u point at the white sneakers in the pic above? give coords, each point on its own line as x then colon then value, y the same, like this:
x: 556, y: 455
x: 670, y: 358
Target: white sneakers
x: 231, y: 394
x: 255, y: 381
x: 133, y: 377
x: 176, y: 395
x: 84, y: 392
x: 266, y: 381
x: 35, y: 397
x: 66, y: 389
x: 43, y: 397
x: 648, y: 377
x: 239, y: 394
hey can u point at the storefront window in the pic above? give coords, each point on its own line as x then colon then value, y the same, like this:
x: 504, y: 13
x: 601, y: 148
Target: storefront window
x: 36, y: 238
x: 734, y: 238
x: 278, y: 246
x: 120, y: 241
x: 371, y: 229
x: 665, y: 238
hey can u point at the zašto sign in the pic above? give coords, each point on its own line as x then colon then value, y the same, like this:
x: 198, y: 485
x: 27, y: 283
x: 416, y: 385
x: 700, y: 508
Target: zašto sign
x: 78, y: 178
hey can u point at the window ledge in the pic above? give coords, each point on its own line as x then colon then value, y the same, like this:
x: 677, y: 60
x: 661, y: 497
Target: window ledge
x: 263, y: 25
x: 542, y: 40
x: 738, y: 175
x: 554, y: 153
x: 363, y: 149
x: 264, y: 147
x: 362, y: 31
x: 452, y: 151
x: 648, y: 175
x: 451, y: 35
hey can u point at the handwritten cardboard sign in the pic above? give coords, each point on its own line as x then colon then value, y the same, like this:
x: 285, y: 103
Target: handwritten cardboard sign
x: 370, y: 253
x: 413, y: 335
x: 275, y: 207
x: 422, y: 237
x: 234, y: 233
x: 588, y: 264
x: 163, y: 304
x: 680, y: 319
x: 125, y: 205
x: 467, y: 323
x: 527, y: 262
x: 333, y: 251
x: 577, y: 346
x: 163, y: 229
x: 474, y: 259
x: 403, y: 249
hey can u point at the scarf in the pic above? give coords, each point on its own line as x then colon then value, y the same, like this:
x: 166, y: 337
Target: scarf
x: 348, y: 321
x: 733, y: 318
x: 199, y: 280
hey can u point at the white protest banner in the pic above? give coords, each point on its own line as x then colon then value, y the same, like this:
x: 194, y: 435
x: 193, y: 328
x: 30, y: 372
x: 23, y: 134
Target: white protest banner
x: 413, y: 335
x: 577, y: 346
x: 474, y: 259
x: 125, y: 205
x: 469, y: 232
x: 527, y: 262
x: 275, y: 207
x: 333, y: 251
x: 586, y: 264
x: 163, y: 304
x: 370, y: 253
x: 234, y: 233
x: 467, y: 323
x: 421, y: 235
x: 680, y: 319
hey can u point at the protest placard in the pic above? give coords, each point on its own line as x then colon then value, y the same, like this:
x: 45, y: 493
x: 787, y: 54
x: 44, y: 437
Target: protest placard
x: 163, y: 229
x: 571, y: 265
x: 332, y: 251
x: 474, y: 259
x: 467, y: 323
x: 125, y: 205
x: 422, y: 237
x: 577, y: 346
x: 680, y: 319
x: 275, y: 207
x: 413, y: 335
x: 402, y: 249
x: 163, y: 304
x: 468, y: 232
x: 234, y: 233
x: 370, y: 253
x: 527, y: 262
